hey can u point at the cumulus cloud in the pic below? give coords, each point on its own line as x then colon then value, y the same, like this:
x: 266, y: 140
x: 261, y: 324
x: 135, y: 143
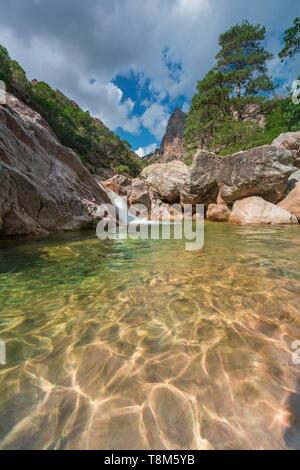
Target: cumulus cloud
x: 155, y: 118
x: 143, y: 151
x: 68, y: 43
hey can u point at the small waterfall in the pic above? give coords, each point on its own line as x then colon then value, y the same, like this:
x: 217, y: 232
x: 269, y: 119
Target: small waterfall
x: 123, y: 212
x: 120, y: 203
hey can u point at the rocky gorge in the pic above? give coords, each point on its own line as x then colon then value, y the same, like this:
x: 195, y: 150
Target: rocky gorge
x: 45, y: 187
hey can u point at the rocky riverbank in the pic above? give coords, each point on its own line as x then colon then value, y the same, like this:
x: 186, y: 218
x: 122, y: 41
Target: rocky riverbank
x: 250, y: 187
x: 45, y: 188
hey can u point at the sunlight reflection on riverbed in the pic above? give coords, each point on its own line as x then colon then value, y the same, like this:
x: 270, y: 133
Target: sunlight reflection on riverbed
x: 126, y: 344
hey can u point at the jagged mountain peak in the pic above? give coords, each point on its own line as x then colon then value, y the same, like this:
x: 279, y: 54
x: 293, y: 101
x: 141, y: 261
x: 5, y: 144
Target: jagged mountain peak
x: 172, y: 144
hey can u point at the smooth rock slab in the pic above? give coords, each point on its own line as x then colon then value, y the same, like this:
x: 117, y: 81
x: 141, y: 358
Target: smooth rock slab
x: 254, y: 210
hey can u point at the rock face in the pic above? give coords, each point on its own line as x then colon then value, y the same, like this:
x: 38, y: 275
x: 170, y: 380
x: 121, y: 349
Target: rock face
x: 218, y: 212
x: 43, y: 186
x: 172, y: 144
x: 166, y: 179
x: 202, y: 182
x: 292, y: 202
x: 254, y: 210
x: 263, y: 171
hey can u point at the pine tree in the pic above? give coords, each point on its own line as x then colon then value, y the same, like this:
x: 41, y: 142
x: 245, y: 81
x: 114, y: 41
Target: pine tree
x: 210, y: 105
x: 233, y: 92
x: 242, y: 60
x: 291, y: 41
x: 5, y: 72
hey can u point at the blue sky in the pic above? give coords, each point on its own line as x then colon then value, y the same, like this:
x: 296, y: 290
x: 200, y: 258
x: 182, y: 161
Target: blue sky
x: 138, y: 89
x: 131, y: 62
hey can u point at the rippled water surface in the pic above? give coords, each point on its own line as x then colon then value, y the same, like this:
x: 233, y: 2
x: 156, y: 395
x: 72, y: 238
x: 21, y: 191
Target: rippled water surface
x: 133, y: 344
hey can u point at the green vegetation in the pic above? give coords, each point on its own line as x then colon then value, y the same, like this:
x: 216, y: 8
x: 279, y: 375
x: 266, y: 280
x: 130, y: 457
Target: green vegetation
x: 122, y: 170
x: 291, y: 41
x: 5, y: 72
x: 234, y: 107
x: 98, y: 147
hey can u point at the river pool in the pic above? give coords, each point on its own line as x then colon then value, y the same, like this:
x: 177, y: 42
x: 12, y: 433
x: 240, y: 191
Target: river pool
x: 140, y: 344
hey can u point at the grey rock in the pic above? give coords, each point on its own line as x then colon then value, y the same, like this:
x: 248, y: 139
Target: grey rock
x: 262, y: 171
x: 290, y: 141
x: 218, y: 212
x: 166, y: 179
x: 201, y: 185
x: 255, y: 210
x: 44, y: 187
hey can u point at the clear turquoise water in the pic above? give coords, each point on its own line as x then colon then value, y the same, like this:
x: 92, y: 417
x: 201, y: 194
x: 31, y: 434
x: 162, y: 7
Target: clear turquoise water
x: 142, y: 344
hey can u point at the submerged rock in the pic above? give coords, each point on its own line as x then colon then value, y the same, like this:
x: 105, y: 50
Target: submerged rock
x: 291, y: 203
x: 254, y: 210
x: 262, y: 171
x: 44, y: 187
x: 218, y: 212
x: 166, y: 179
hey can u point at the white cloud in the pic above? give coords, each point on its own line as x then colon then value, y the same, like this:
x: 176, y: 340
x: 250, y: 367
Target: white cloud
x: 142, y: 151
x: 66, y: 43
x: 155, y: 119
x: 192, y: 6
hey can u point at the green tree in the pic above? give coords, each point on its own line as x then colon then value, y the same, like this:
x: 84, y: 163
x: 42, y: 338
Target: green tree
x: 233, y: 93
x: 291, y: 41
x: 5, y: 72
x: 242, y: 60
x: 210, y: 105
x: 21, y: 87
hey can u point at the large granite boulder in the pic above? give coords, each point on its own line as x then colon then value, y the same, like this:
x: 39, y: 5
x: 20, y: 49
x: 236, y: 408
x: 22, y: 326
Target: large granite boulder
x: 218, y: 212
x: 119, y: 184
x: 166, y: 179
x: 290, y: 141
x: 291, y: 203
x: 201, y: 186
x: 138, y: 193
x: 43, y: 186
x: 262, y: 171
x: 254, y: 210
